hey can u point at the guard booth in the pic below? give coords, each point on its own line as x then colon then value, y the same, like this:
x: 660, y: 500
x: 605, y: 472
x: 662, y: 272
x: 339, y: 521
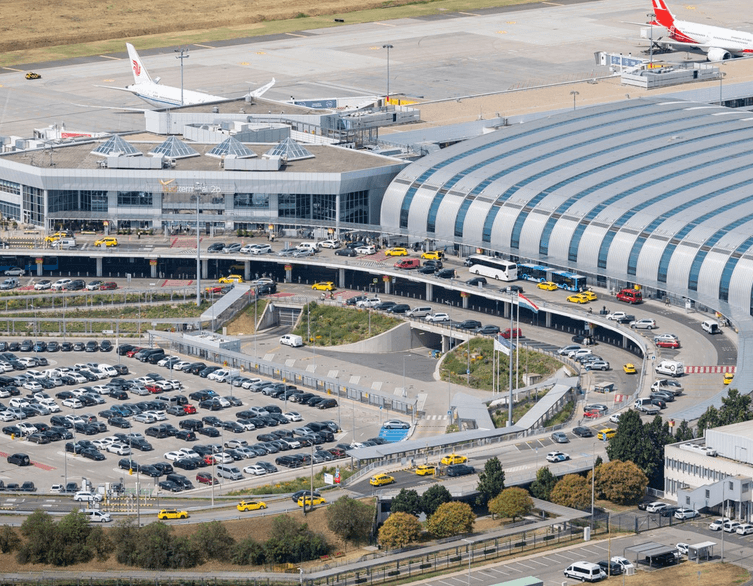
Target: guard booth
x: 701, y: 551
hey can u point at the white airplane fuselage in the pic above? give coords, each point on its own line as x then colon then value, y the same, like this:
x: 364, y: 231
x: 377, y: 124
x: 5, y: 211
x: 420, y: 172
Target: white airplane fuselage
x: 163, y: 96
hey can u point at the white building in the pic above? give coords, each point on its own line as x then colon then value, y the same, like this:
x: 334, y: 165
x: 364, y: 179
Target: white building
x: 705, y: 473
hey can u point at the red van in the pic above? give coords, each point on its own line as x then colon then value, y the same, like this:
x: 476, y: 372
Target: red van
x: 630, y: 296
x: 408, y: 263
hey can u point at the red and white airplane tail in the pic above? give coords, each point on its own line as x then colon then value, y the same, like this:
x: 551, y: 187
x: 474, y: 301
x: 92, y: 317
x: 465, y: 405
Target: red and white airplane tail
x: 664, y: 16
x: 140, y: 74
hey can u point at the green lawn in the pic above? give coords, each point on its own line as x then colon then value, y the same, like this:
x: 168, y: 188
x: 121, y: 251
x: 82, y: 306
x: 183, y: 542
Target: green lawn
x: 323, y: 325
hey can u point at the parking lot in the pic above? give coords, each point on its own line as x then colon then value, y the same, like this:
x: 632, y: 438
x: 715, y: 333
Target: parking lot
x: 155, y: 420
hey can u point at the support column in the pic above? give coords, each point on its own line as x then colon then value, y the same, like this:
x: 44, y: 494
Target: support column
x: 429, y: 292
x: 99, y: 267
x: 341, y: 278
x: 40, y: 269
x: 445, y: 344
x: 289, y: 275
x: 152, y: 265
x: 246, y: 270
x: 624, y: 343
x: 465, y: 301
x: 387, y: 286
x: 506, y: 309
x: 204, y: 268
x: 548, y: 319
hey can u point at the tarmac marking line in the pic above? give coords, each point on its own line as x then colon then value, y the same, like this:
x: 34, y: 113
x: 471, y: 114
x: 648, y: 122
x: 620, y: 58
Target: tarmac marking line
x: 525, y: 566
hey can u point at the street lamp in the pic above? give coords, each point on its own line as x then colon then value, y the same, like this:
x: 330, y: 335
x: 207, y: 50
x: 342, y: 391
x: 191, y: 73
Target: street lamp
x: 470, y: 557
x: 183, y: 55
x: 388, y: 47
x: 652, y: 16
x: 198, y: 190
x: 573, y: 94
x: 721, y: 77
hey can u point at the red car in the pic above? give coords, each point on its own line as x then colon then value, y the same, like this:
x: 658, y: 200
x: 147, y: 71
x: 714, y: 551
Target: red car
x: 189, y: 409
x: 668, y: 343
x: 214, y: 290
x: 205, y: 478
x: 132, y: 351
x: 209, y: 459
x: 106, y: 286
x: 592, y: 414
x: 154, y: 389
x: 512, y: 333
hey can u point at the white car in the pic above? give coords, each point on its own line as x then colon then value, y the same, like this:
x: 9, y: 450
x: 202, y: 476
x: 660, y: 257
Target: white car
x: 181, y: 365
x: 19, y: 402
x: 616, y: 315
x: 615, y: 417
x: 87, y: 496
x: 686, y: 514
x: 27, y: 428
x: 15, y: 272
x: 580, y: 352
x: 656, y: 507
x: 730, y: 526
x: 665, y: 337
x: 255, y: 469
x: 6, y: 416
x: 175, y: 455
x: 643, y: 324
x: 260, y: 249
x: 329, y: 244
x: 717, y: 524
x: 119, y: 449
x: 74, y: 419
x: 744, y: 529
x: 557, y: 457
x: 366, y: 250
x: 565, y: 350
x: 293, y: 416
x: 682, y: 548
x: 97, y: 516
x: 145, y: 418
x: 42, y: 285
x: 368, y: 302
x: 73, y: 403
x: 624, y: 562
x: 60, y: 284
x: 250, y: 382
x: 437, y: 318
x: 32, y: 386
x: 158, y: 415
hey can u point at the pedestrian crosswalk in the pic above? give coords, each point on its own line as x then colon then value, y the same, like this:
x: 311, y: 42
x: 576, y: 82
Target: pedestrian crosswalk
x: 436, y: 417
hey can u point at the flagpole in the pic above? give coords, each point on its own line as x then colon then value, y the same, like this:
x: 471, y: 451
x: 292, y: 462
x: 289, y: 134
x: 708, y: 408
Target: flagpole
x: 517, y: 343
x: 509, y: 366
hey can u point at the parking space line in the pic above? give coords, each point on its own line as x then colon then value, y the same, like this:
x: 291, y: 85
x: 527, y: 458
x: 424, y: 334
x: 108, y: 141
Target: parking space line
x: 525, y: 566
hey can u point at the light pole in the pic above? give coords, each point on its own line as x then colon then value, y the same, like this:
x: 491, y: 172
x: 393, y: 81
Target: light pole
x: 183, y: 55
x: 721, y: 77
x: 198, y: 190
x: 470, y: 557
x: 652, y: 16
x: 388, y: 47
x: 573, y: 94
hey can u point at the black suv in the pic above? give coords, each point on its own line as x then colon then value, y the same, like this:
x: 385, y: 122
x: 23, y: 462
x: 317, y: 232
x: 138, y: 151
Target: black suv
x: 469, y: 324
x: 460, y: 470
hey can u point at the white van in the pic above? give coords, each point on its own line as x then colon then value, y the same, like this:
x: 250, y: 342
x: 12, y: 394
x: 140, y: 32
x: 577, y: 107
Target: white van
x: 65, y: 244
x: 419, y: 311
x: 291, y: 340
x: 97, y: 516
x: 312, y: 246
x: 107, y: 369
x: 670, y: 367
x: 585, y: 572
x: 227, y: 471
x: 711, y: 326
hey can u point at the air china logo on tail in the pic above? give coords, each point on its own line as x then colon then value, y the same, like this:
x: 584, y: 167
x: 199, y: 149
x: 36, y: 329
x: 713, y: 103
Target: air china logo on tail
x: 136, y: 67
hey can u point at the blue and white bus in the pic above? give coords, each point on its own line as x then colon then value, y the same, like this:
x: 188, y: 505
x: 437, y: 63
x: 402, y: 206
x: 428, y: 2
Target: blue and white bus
x: 569, y: 281
x: 535, y: 273
x: 495, y: 268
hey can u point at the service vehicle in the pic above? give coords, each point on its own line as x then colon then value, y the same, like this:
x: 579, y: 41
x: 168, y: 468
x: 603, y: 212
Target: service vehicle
x: 381, y: 479
x: 251, y: 505
x: 172, y: 514
x: 632, y: 296
x: 451, y: 459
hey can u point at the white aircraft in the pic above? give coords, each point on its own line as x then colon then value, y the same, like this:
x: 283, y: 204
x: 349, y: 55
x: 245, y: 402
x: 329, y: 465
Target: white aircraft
x: 165, y: 96
x: 718, y: 43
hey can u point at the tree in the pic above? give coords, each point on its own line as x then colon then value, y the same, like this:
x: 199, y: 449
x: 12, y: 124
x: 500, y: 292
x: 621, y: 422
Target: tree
x: 622, y: 483
x: 214, y: 541
x: 491, y: 481
x: 406, y: 501
x: 350, y: 519
x: 434, y: 497
x: 708, y: 420
x: 8, y: 539
x: 735, y: 408
x: 39, y: 531
x: 248, y: 552
x: 291, y: 541
x: 154, y: 546
x: 71, y: 541
x: 642, y: 444
x: 399, y: 530
x: 451, y: 519
x: 683, y: 432
x: 572, y: 491
x: 511, y: 503
x: 541, y: 488
x: 126, y: 539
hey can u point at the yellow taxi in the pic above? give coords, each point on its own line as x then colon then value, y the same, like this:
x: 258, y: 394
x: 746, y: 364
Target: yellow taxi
x: 230, y: 279
x: 425, y: 469
x: 451, y: 459
x: 547, y: 286
x: 577, y: 298
x: 728, y: 376
x: 590, y: 295
x: 172, y: 514
x: 107, y: 241
x: 251, y: 505
x: 606, y: 434
x: 629, y: 368
x: 55, y: 237
x: 323, y: 286
x: 396, y: 251
x: 433, y: 255
x: 317, y: 500
x: 381, y: 479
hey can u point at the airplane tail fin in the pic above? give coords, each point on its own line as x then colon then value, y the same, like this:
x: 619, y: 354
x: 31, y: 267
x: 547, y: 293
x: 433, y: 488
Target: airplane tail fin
x: 663, y: 15
x: 140, y: 74
x: 258, y: 92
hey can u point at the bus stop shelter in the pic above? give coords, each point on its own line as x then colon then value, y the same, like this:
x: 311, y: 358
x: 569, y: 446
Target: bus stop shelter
x: 648, y: 552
